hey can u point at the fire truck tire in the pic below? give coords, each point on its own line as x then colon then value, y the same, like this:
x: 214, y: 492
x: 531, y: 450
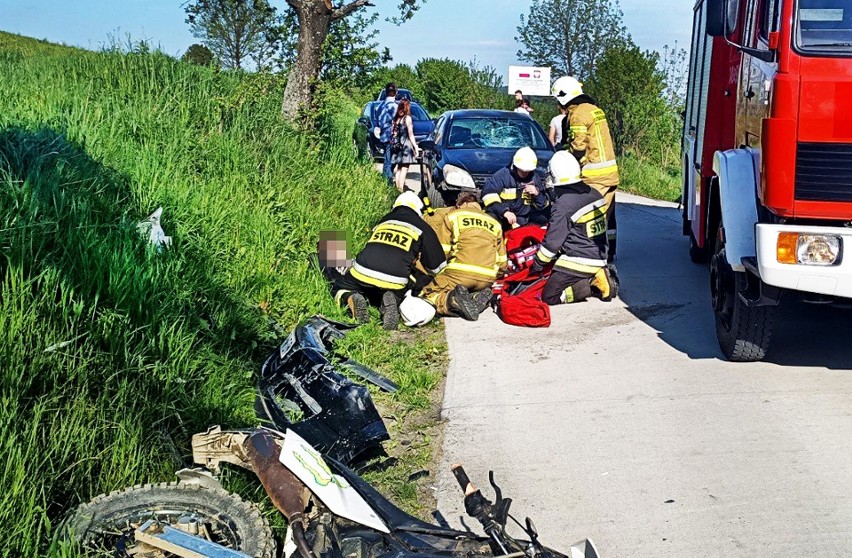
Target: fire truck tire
x: 743, y: 332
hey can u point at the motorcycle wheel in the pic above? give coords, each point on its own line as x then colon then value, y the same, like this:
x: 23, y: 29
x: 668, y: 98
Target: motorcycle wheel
x: 105, y: 526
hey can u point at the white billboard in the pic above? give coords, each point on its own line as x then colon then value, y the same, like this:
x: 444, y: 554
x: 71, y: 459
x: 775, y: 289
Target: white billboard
x: 530, y: 80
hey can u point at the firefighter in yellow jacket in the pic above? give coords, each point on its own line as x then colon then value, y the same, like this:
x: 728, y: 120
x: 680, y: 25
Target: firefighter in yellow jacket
x: 473, y: 245
x: 585, y: 134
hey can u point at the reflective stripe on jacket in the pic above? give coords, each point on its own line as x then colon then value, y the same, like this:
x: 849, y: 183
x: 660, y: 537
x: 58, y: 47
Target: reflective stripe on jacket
x: 590, y: 141
x: 576, y: 234
x: 400, y: 238
x: 473, y: 241
x: 504, y: 191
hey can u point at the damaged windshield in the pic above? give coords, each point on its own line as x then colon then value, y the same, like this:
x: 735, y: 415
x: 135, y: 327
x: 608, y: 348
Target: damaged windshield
x: 824, y: 26
x: 496, y: 133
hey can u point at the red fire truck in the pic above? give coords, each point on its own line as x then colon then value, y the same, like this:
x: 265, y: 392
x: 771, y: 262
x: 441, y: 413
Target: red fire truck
x: 767, y: 158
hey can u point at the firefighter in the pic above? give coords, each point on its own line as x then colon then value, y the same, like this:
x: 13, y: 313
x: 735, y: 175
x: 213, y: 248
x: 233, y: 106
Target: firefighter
x: 515, y: 195
x: 381, y: 272
x: 585, y: 134
x: 576, y: 238
x: 472, y: 242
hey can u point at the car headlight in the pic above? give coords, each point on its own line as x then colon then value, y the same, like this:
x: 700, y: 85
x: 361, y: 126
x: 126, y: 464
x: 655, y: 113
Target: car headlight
x: 460, y: 178
x: 809, y: 249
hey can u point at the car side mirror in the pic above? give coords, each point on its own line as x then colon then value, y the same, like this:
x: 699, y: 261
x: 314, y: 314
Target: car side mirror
x: 427, y: 144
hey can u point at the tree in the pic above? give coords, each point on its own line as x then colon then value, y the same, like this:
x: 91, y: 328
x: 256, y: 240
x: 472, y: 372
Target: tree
x: 236, y: 31
x: 570, y: 35
x: 314, y: 21
x: 630, y: 84
x: 350, y: 55
x: 199, y: 55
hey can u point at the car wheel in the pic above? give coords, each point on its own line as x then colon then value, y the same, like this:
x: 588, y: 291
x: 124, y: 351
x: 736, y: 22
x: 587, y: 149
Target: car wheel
x: 436, y: 199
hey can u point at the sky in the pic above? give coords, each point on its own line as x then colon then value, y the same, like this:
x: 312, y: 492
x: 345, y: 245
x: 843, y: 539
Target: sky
x: 457, y: 29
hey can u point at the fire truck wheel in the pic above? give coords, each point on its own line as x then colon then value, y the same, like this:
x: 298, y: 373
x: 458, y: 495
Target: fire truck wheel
x: 743, y: 332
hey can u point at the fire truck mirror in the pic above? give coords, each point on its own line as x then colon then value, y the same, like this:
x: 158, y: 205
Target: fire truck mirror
x: 722, y: 17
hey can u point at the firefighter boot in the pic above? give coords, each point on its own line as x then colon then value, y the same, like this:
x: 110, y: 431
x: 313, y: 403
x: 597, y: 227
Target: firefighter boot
x: 357, y: 305
x: 482, y: 300
x: 460, y: 303
x: 614, y: 281
x: 602, y: 286
x: 389, y: 311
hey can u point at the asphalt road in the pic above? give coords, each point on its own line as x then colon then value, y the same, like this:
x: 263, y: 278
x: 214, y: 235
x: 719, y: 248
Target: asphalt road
x: 622, y: 423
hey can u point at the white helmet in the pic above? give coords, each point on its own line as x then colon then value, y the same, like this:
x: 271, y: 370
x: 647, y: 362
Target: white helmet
x: 564, y: 169
x: 566, y: 88
x: 409, y: 199
x: 525, y: 159
x: 415, y: 311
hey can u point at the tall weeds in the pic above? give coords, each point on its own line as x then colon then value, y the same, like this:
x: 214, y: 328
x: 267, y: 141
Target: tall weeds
x: 111, y: 353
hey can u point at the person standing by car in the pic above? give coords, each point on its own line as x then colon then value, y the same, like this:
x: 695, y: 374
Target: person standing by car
x: 556, y: 123
x: 404, y: 149
x: 515, y: 195
x: 575, y: 239
x: 522, y: 107
x: 524, y: 102
x: 585, y: 133
x: 385, y: 115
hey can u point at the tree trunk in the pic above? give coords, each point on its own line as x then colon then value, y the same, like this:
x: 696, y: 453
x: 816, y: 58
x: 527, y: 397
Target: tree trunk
x: 314, y: 23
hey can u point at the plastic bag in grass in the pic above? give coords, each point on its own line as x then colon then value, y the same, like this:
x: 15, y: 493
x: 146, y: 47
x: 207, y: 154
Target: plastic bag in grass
x: 153, y: 232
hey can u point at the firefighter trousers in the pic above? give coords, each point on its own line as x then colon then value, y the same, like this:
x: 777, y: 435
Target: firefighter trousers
x: 565, y: 287
x: 442, y: 285
x: 611, y: 223
x: 343, y: 285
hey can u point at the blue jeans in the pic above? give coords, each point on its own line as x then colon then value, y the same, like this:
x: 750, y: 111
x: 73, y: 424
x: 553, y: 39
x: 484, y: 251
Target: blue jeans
x: 387, y: 169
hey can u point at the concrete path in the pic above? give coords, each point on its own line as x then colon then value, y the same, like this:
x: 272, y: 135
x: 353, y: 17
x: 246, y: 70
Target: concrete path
x: 621, y: 422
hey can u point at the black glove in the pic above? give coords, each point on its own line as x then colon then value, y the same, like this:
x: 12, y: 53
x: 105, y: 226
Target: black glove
x: 537, y: 267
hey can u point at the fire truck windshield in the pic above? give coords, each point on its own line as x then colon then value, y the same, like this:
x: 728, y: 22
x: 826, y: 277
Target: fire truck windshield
x: 824, y: 26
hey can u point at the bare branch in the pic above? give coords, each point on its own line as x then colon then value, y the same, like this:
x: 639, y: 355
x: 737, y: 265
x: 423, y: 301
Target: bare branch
x: 344, y: 11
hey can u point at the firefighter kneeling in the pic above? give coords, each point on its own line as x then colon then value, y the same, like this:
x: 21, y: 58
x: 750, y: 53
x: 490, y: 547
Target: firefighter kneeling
x: 473, y: 245
x: 576, y: 238
x: 382, y: 270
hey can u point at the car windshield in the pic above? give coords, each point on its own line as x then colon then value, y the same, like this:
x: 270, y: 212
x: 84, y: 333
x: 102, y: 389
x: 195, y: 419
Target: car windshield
x: 417, y: 113
x: 824, y: 25
x: 498, y: 132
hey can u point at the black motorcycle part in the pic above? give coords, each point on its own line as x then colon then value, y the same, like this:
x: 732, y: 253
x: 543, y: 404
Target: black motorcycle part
x: 334, y: 414
x: 320, y: 333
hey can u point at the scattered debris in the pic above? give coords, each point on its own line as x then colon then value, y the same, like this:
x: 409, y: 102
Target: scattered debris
x: 153, y: 232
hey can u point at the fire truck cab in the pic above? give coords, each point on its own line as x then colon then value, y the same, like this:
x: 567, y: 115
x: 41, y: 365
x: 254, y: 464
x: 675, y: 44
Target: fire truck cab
x: 767, y: 159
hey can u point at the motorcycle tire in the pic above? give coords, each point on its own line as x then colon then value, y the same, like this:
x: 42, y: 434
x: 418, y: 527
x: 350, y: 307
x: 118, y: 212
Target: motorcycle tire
x: 105, y: 526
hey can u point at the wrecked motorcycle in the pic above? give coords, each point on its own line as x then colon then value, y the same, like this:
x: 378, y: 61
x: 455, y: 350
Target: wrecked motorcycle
x: 330, y: 511
x: 303, y: 388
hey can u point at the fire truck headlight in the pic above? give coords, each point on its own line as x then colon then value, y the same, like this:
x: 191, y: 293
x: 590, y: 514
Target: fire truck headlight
x: 809, y: 249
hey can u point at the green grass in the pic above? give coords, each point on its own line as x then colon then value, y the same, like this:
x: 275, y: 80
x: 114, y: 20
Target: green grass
x: 112, y: 355
x: 647, y: 179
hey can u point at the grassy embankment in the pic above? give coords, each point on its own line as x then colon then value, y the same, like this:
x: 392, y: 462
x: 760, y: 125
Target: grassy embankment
x: 113, y: 355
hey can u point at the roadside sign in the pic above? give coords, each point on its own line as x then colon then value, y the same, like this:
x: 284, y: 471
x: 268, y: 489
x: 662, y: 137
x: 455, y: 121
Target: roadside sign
x: 530, y: 80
